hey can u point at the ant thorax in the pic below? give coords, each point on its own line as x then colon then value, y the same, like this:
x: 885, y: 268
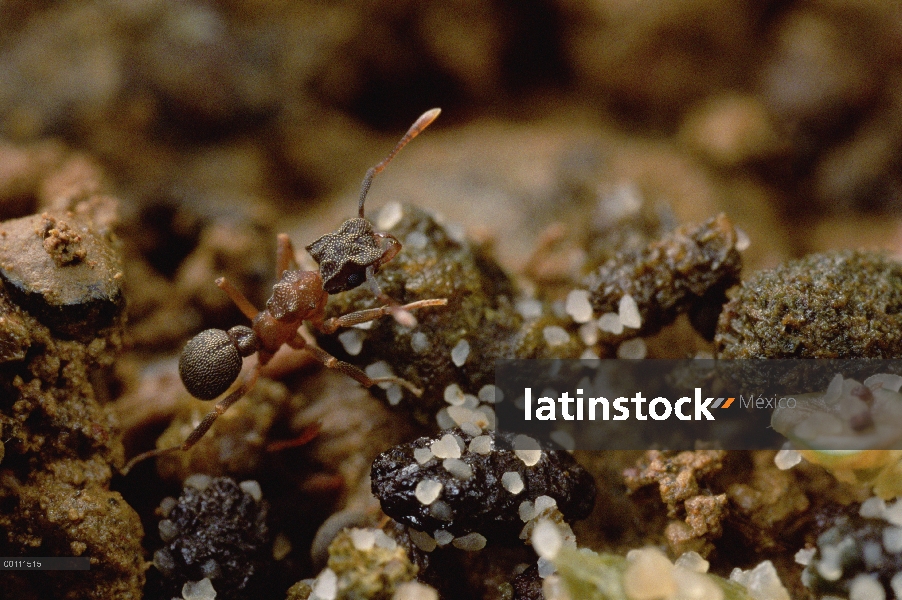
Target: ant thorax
x: 296, y: 295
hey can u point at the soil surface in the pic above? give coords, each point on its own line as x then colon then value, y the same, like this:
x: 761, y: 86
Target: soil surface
x: 733, y: 167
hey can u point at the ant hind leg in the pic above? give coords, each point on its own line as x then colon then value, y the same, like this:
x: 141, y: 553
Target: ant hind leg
x: 219, y: 408
x: 204, y: 426
x: 240, y: 300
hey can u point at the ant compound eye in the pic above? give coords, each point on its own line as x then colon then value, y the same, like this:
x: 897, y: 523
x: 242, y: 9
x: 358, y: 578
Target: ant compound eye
x: 349, y: 277
x: 209, y: 364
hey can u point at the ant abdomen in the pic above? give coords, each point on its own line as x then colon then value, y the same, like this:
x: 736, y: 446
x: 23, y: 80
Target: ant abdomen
x: 211, y: 360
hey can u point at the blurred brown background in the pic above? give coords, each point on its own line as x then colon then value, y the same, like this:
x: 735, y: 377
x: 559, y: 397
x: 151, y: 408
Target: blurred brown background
x: 218, y: 124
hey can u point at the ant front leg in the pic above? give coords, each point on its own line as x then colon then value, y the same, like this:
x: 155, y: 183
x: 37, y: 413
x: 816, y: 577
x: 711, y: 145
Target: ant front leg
x: 391, y: 247
x: 392, y: 306
x: 330, y: 362
x: 371, y: 314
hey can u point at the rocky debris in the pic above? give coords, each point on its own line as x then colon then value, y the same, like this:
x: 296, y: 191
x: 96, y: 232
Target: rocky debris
x: 59, y: 269
x: 60, y: 279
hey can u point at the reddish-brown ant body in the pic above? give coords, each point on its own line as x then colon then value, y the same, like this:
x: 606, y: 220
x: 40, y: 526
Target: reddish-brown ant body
x: 211, y: 361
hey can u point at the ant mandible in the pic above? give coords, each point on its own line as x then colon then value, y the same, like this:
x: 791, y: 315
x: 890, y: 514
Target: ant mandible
x: 211, y: 361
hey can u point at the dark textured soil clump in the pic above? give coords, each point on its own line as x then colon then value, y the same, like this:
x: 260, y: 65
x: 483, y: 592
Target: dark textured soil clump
x: 483, y: 502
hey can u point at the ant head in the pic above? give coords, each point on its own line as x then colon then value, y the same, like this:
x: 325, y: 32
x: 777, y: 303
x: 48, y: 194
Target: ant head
x: 356, y: 251
x: 211, y: 360
x: 345, y: 256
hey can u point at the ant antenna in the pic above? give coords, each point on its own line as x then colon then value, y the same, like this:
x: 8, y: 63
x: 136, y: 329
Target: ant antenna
x: 422, y: 123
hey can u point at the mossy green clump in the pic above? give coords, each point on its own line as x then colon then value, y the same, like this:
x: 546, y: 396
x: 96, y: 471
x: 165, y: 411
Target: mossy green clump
x: 589, y: 575
x: 300, y: 590
x: 369, y: 566
x: 531, y: 340
x: 364, y: 564
x: 832, y: 305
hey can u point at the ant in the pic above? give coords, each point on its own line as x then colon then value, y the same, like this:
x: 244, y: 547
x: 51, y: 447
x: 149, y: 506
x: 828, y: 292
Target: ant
x: 211, y: 361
